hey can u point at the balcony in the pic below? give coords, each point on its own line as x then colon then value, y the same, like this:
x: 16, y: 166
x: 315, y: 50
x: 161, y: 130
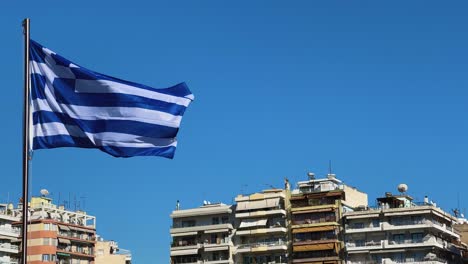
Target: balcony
x: 352, y: 247
x: 261, y: 213
x: 366, y: 228
x: 10, y: 231
x: 67, y: 251
x: 222, y: 261
x: 270, y: 230
x: 410, y: 261
x: 9, y: 248
x: 407, y: 243
x: 188, y: 229
x: 223, y: 244
x: 316, y: 259
x: 262, y: 247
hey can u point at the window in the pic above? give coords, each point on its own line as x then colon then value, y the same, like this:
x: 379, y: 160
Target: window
x: 188, y: 223
x: 47, y: 227
x: 399, y: 238
x: 215, y: 221
x: 360, y: 243
x: 45, y: 257
x: 417, y: 237
x: 358, y: 225
x: 225, y: 220
x: 376, y: 223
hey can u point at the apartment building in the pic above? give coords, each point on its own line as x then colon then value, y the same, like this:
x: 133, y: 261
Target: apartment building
x: 9, y: 235
x: 57, y: 235
x: 316, y: 211
x: 262, y: 227
x: 202, y: 235
x: 400, y: 230
x: 108, y: 252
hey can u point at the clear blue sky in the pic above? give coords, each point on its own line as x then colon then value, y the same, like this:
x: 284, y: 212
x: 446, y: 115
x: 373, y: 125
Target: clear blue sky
x: 380, y: 88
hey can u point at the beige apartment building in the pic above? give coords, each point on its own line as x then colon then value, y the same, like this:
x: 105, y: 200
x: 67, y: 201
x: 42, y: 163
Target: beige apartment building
x: 57, y: 235
x: 202, y: 235
x: 262, y: 228
x: 401, y: 231
x: 108, y: 252
x: 317, y: 207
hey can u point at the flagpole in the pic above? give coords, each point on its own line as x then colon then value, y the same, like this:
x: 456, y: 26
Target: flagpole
x: 26, y: 114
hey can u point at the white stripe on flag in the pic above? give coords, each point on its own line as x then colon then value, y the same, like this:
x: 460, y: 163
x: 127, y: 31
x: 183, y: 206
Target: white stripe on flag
x: 109, y: 113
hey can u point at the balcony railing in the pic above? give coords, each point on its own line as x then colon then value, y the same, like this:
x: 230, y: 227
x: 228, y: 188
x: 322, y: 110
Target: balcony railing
x: 262, y: 244
x: 364, y: 244
x: 9, y: 246
x: 77, y: 236
x: 10, y: 230
x: 77, y: 251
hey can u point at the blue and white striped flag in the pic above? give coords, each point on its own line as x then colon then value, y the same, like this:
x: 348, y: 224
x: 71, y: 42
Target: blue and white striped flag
x: 76, y: 107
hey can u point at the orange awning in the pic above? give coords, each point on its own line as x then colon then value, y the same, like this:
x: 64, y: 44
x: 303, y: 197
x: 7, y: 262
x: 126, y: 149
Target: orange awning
x: 314, y: 229
x: 315, y: 247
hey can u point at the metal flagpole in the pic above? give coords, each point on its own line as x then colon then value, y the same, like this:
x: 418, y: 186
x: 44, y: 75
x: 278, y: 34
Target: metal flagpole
x: 26, y: 113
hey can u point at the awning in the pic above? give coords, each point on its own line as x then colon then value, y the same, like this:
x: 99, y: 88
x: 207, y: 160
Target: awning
x: 361, y: 216
x: 64, y: 241
x: 62, y: 227
x: 5, y: 237
x: 63, y: 254
x: 325, y: 246
x: 185, y: 234
x: 252, y: 223
x: 80, y: 229
x: 314, y: 211
x: 216, y: 248
x: 223, y: 230
x: 252, y: 205
x: 184, y: 252
x: 314, y: 229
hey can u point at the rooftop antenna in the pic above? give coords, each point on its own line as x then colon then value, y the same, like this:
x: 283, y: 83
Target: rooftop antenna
x: 330, y: 167
x: 84, y: 202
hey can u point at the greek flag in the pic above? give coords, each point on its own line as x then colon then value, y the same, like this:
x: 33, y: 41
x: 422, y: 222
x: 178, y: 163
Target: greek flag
x: 72, y: 106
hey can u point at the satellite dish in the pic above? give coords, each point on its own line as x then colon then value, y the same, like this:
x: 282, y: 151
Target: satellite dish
x: 402, y: 188
x: 44, y: 192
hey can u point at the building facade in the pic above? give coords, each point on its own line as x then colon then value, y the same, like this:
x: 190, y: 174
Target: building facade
x: 262, y: 227
x: 108, y: 252
x: 202, y: 235
x: 57, y: 235
x: 401, y: 231
x: 317, y: 207
x: 9, y: 235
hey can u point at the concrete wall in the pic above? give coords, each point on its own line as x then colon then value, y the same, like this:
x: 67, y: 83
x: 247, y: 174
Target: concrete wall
x: 354, y: 197
x: 103, y: 255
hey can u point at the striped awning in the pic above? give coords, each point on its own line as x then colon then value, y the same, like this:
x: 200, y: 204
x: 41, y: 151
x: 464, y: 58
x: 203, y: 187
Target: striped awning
x: 260, y: 204
x: 314, y: 229
x: 253, y: 222
x: 184, y: 252
x: 314, y: 247
x: 62, y: 227
x: 64, y: 241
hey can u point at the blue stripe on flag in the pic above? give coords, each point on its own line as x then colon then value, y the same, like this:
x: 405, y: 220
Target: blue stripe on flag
x: 122, y: 152
x: 99, y: 126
